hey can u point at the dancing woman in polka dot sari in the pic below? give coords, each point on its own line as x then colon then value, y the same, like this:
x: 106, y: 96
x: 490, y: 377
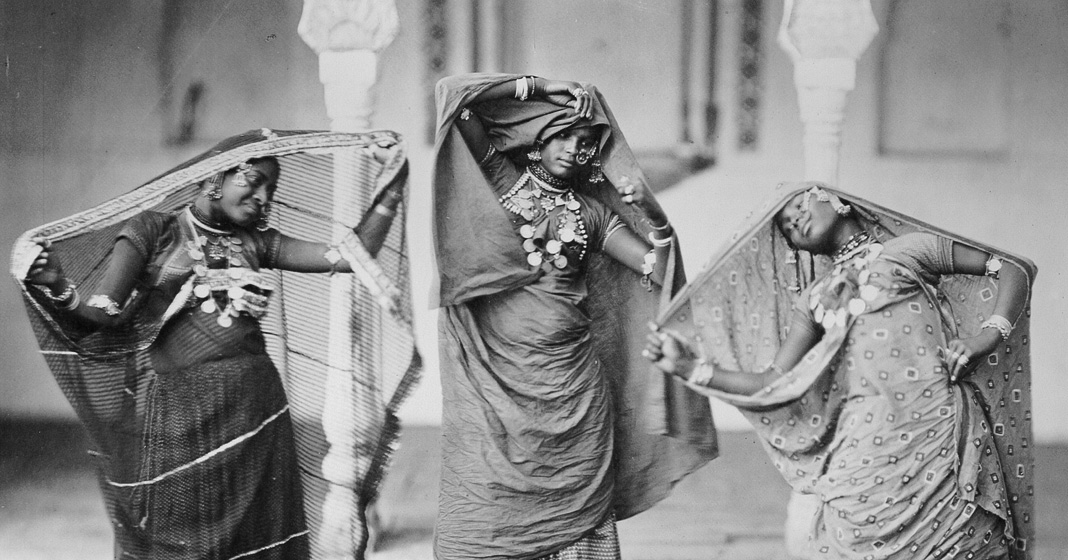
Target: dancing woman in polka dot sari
x: 893, y: 387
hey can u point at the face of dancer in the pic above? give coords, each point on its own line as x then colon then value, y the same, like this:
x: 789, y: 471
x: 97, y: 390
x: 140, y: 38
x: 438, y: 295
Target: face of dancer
x: 810, y: 225
x: 568, y: 152
x: 244, y: 204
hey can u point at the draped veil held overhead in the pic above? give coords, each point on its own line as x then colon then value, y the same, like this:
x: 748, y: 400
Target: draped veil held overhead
x: 342, y: 346
x: 552, y: 419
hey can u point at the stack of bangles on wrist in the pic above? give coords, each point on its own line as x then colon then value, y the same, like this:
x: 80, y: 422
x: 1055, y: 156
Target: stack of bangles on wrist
x: 703, y: 364
x: 388, y: 205
x: 1003, y: 325
x: 665, y: 231
x: 525, y: 87
x: 66, y: 301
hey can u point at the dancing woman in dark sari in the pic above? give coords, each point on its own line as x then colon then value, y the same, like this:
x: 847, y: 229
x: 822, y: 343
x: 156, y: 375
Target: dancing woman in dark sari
x: 894, y: 388
x: 160, y: 348
x: 551, y: 252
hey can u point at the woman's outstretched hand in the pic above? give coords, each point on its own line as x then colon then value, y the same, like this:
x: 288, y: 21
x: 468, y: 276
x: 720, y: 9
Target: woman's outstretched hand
x: 963, y: 355
x: 637, y: 194
x: 45, y: 270
x: 670, y: 352
x: 571, y: 94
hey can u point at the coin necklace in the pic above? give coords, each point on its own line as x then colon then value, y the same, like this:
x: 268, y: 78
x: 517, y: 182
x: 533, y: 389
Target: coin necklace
x: 218, y: 245
x: 534, y: 198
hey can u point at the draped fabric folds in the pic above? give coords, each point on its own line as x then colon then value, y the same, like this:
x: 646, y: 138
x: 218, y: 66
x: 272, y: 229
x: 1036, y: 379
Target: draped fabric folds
x: 342, y: 344
x: 844, y: 424
x: 579, y: 339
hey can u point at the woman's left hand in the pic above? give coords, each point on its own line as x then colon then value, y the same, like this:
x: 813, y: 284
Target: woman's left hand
x: 637, y: 194
x: 581, y: 99
x: 963, y: 355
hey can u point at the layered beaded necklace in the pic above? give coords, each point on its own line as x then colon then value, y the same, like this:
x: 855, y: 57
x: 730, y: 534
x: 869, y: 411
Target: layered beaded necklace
x: 855, y: 242
x: 220, y: 289
x: 534, y: 196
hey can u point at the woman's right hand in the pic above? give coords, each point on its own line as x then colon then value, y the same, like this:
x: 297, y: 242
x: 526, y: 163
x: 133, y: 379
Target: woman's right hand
x: 571, y: 94
x: 46, y: 270
x: 670, y: 352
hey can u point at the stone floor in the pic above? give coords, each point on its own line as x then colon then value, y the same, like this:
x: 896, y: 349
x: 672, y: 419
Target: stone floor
x: 50, y: 507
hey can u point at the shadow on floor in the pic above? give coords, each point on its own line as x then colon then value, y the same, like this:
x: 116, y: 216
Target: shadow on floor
x: 51, y: 509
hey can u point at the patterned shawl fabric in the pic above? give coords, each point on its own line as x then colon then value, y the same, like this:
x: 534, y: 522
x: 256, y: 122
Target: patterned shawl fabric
x: 479, y: 253
x: 343, y: 343
x: 738, y: 309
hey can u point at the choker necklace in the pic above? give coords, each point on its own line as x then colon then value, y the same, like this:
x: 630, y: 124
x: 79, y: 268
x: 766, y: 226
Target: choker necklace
x: 547, y: 178
x: 206, y: 223
x: 851, y: 244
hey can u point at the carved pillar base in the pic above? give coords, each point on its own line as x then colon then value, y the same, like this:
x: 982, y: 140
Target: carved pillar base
x: 823, y: 87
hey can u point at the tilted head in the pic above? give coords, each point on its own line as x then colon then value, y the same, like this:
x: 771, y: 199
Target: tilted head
x: 240, y: 196
x: 816, y: 221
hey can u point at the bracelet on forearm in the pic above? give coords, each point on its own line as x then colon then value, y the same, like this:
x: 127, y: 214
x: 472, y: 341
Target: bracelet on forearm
x: 525, y: 87
x: 1003, y: 325
x: 703, y: 364
x: 665, y: 227
x: 67, y: 300
x: 104, y: 303
x: 384, y: 210
x: 333, y: 256
x: 660, y: 242
x: 648, y: 265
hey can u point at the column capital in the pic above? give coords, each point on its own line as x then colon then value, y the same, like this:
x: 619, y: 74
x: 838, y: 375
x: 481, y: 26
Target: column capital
x: 819, y: 29
x: 345, y: 25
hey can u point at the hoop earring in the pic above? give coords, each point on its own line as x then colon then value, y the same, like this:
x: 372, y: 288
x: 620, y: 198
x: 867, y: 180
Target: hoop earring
x: 535, y: 152
x: 213, y: 192
x: 263, y: 223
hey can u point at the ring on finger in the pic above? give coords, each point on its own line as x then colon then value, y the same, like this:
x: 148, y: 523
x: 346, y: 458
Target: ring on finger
x: 578, y: 92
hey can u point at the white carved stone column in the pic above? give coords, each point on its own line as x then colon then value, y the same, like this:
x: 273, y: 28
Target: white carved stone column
x: 824, y: 38
x: 347, y: 35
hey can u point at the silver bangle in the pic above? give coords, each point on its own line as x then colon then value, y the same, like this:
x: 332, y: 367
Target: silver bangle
x: 104, y: 303
x: 66, y: 300
x: 658, y: 242
x: 385, y: 210
x: 1003, y: 325
x: 333, y: 256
